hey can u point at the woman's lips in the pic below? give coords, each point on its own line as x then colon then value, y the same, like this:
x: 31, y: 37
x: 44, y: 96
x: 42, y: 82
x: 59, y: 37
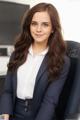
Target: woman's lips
x: 39, y: 35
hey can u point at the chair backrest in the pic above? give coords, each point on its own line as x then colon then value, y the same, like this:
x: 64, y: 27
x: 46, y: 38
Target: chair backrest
x: 73, y: 49
x: 72, y: 109
x: 68, y: 106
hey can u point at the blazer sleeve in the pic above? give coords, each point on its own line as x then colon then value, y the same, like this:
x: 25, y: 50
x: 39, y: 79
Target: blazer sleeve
x: 6, y: 105
x: 50, y: 100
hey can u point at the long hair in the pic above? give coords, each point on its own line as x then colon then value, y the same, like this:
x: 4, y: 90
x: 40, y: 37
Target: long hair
x: 56, y: 43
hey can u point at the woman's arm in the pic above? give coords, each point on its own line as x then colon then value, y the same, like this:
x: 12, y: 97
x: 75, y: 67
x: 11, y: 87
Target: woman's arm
x: 6, y: 104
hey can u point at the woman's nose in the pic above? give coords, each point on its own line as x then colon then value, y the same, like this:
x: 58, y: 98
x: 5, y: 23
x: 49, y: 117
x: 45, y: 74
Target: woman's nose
x: 39, y: 28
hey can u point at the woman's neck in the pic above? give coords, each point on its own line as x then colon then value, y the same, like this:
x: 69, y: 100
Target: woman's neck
x: 38, y: 48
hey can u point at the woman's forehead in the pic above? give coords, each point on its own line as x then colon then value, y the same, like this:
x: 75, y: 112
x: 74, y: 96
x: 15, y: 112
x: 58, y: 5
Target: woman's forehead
x: 41, y: 16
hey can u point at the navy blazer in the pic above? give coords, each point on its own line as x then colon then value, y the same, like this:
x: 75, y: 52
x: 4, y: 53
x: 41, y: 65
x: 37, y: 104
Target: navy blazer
x: 45, y: 97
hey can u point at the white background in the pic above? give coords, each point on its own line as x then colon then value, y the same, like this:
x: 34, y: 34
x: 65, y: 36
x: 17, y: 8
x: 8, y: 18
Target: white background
x: 69, y: 15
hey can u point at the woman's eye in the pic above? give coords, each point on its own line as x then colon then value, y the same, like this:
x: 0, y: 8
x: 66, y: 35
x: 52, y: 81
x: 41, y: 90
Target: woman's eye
x: 45, y: 24
x: 33, y: 23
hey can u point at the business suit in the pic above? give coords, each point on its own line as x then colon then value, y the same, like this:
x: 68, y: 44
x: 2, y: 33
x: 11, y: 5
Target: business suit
x: 45, y: 97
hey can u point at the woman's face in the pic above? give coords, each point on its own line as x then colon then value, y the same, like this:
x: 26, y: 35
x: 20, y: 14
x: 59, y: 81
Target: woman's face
x: 41, y: 27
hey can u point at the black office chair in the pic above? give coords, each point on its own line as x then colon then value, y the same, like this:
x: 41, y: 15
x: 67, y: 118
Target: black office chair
x: 68, y: 107
x: 73, y: 49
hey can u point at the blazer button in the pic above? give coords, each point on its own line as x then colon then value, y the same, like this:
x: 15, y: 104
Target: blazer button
x: 26, y: 109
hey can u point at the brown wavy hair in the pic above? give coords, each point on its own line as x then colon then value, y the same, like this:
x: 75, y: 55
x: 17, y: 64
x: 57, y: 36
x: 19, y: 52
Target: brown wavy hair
x: 56, y: 43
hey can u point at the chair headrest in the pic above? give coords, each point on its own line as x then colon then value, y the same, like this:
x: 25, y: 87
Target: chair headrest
x: 73, y: 49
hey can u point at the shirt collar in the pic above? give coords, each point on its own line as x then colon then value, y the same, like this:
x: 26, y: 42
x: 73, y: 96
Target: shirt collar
x: 40, y: 54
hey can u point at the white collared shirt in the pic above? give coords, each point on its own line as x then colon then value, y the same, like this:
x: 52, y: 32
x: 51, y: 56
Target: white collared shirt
x: 26, y: 74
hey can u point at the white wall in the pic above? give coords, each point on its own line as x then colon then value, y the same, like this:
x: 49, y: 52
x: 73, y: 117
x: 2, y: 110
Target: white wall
x: 69, y: 15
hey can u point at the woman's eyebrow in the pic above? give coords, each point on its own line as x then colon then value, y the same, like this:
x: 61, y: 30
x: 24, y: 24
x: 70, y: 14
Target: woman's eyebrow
x: 41, y: 22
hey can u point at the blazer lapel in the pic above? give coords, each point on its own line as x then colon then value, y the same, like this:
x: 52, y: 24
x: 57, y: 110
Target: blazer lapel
x: 42, y: 69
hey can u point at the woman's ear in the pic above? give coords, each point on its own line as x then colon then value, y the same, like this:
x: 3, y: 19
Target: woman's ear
x: 52, y: 31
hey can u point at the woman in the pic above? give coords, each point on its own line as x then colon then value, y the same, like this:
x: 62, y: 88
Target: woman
x: 38, y: 67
